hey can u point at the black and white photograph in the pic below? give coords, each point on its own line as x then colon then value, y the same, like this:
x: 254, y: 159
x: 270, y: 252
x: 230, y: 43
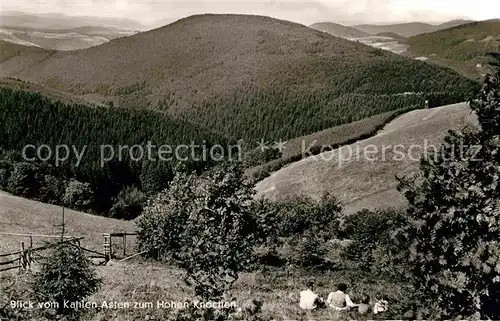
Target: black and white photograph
x: 236, y: 160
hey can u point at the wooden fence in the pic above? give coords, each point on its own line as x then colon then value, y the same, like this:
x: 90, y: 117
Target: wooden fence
x: 108, y: 243
x: 24, y: 258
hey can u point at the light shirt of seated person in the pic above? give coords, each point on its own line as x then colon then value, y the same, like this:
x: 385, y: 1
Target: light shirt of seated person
x: 308, y: 299
x: 339, y: 300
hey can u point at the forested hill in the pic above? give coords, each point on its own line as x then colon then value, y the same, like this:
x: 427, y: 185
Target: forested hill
x: 245, y: 76
x: 462, y: 47
x: 339, y: 30
x: 10, y: 52
x: 409, y: 29
x: 29, y: 118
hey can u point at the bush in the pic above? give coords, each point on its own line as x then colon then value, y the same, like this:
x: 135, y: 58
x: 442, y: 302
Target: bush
x: 15, y: 288
x: 204, y: 224
x: 128, y: 204
x: 310, y: 251
x: 372, y: 238
x: 23, y: 181
x: 78, y: 195
x: 52, y: 189
x: 66, y: 275
x: 301, y: 215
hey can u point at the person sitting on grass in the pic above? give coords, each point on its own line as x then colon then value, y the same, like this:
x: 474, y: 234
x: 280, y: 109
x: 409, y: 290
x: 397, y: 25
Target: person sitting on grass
x: 339, y: 300
x: 310, y: 300
x: 364, y: 306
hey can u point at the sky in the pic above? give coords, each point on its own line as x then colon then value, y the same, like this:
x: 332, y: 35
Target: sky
x: 149, y: 12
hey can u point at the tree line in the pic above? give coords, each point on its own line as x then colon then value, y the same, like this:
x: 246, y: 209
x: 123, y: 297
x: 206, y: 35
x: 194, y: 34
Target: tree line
x: 90, y: 185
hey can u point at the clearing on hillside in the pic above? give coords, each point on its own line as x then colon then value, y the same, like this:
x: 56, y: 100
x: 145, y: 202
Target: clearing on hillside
x: 19, y: 215
x: 363, y: 175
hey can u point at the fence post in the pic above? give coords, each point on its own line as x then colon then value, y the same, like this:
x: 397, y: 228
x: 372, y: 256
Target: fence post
x: 23, y: 257
x: 124, y: 244
x: 107, y: 246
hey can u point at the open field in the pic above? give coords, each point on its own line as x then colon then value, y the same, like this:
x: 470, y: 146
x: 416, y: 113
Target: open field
x: 360, y: 180
x: 295, y: 149
x: 19, y: 215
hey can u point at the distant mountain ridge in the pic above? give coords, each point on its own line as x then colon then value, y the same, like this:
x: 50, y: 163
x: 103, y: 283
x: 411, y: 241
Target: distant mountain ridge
x: 62, y: 32
x: 62, y: 21
x: 408, y: 29
x: 393, y: 36
x: 243, y: 76
x: 338, y: 30
x: 63, y: 39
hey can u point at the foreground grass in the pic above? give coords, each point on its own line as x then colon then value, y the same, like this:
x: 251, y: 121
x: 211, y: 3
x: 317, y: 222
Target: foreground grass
x: 278, y: 289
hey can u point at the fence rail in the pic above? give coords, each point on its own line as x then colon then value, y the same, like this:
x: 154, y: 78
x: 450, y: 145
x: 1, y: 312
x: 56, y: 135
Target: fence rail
x: 35, y: 235
x: 25, y: 255
x: 9, y: 262
x: 9, y: 254
x: 29, y: 254
x: 11, y: 268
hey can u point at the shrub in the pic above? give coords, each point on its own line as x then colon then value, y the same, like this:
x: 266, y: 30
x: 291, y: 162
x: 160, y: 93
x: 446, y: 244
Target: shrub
x: 128, y: 204
x: 372, y: 238
x: 78, y: 195
x: 205, y: 224
x: 66, y: 275
x: 310, y: 251
x: 23, y: 181
x: 266, y: 215
x: 15, y: 288
x: 163, y: 221
x: 301, y: 215
x: 454, y: 209
x: 52, y: 189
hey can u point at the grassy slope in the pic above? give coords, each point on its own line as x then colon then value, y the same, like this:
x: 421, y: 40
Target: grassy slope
x: 244, y: 76
x: 277, y: 289
x: 460, y: 47
x: 359, y: 182
x: 297, y: 148
x: 338, y: 30
x: 19, y: 215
